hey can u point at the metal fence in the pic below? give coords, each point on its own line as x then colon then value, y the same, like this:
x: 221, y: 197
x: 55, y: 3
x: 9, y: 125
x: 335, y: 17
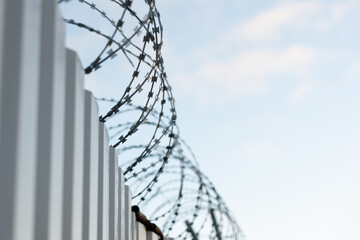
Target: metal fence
x: 59, y: 179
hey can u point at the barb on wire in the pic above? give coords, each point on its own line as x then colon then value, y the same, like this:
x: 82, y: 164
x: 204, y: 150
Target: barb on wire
x: 123, y: 52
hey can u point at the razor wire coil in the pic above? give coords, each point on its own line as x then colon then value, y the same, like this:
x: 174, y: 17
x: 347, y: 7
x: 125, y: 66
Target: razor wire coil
x: 160, y: 168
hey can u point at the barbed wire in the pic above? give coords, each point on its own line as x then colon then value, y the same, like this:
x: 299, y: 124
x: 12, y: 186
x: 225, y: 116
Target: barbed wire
x: 160, y: 167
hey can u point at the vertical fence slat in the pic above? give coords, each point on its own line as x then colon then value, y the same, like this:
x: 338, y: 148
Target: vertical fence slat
x: 2, y: 26
x: 91, y: 168
x: 151, y: 236
x: 100, y: 182
x: 141, y: 231
x: 78, y: 154
x: 25, y: 177
x: 103, y: 187
x: 128, y: 213
x: 116, y: 196
x: 121, y: 205
x: 57, y: 164
x: 74, y: 142
x: 106, y: 190
x: 50, y: 152
x: 20, y: 44
x: 113, y: 176
x: 133, y: 227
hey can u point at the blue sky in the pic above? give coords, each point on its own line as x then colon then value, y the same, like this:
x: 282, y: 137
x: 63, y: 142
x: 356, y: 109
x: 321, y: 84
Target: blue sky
x: 268, y: 98
x: 267, y: 94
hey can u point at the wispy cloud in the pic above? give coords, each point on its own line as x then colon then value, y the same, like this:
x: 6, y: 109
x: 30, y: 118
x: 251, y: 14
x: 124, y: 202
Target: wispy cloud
x: 249, y: 72
x: 301, y: 17
x: 270, y: 23
x: 301, y: 91
x: 226, y: 64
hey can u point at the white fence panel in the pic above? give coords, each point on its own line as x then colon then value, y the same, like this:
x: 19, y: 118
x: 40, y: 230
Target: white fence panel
x: 2, y: 26
x: 103, y: 192
x: 121, y: 206
x: 74, y: 144
x: 140, y: 231
x: 50, y: 149
x: 20, y: 44
x: 59, y: 179
x: 91, y: 168
x: 128, y: 214
x: 113, y: 201
x: 151, y: 236
x: 133, y: 227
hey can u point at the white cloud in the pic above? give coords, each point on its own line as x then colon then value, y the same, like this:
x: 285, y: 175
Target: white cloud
x: 250, y: 58
x: 301, y: 91
x: 293, y: 16
x: 268, y: 24
x: 248, y: 73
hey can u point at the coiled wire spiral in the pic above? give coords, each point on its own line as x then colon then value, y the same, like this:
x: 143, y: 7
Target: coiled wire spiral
x: 159, y: 166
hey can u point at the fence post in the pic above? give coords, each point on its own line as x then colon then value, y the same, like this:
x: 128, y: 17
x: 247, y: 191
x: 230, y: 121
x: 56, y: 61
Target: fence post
x: 2, y: 26
x: 103, y: 187
x: 91, y: 168
x: 113, y: 201
x: 141, y: 231
x: 128, y: 214
x: 133, y: 227
x: 50, y: 135
x: 151, y: 236
x: 74, y: 148
x: 19, y: 81
x: 121, y: 205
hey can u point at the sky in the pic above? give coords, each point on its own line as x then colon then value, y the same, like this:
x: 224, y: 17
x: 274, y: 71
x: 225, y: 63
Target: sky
x: 268, y: 98
x: 267, y: 95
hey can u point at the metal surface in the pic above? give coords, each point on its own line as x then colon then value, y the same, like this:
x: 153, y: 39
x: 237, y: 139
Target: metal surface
x: 121, y: 206
x: 191, y: 231
x: 51, y: 124
x: 74, y: 148
x: 91, y: 168
x: 113, y: 207
x: 215, y: 224
x: 19, y: 82
x: 129, y: 218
